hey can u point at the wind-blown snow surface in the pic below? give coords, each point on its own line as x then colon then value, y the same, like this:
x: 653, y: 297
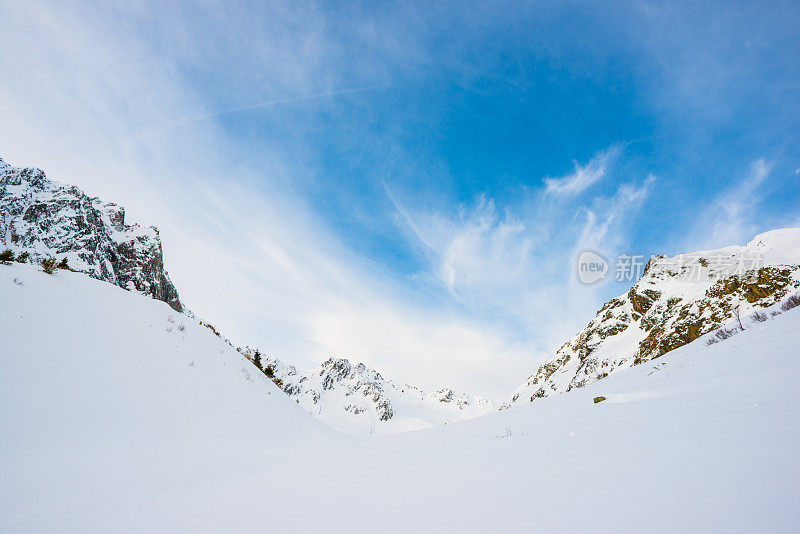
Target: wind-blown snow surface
x: 106, y: 425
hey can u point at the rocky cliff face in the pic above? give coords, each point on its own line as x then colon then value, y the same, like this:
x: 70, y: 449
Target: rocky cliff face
x: 49, y: 219
x: 354, y: 398
x: 677, y: 300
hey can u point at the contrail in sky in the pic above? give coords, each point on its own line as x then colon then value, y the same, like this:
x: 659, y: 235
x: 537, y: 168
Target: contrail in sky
x: 205, y: 116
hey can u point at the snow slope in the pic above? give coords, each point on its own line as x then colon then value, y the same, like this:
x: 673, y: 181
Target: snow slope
x: 356, y: 399
x: 106, y: 393
x: 114, y: 420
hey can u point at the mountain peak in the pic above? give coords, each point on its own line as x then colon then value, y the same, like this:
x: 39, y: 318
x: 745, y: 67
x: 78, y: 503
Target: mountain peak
x: 357, y: 399
x: 46, y: 218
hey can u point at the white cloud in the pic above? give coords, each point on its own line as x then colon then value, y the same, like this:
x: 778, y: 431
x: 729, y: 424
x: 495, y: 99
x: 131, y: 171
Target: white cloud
x: 728, y: 218
x: 272, y: 276
x: 515, y: 264
x: 584, y: 176
x: 603, y: 227
x: 423, y: 347
x: 481, y: 243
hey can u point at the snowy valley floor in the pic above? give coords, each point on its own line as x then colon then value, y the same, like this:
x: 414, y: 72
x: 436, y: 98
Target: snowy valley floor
x: 119, y: 415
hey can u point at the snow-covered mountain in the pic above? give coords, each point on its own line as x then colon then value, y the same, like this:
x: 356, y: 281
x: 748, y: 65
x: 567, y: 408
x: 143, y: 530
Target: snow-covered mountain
x: 677, y: 300
x: 49, y: 219
x: 142, y: 420
x: 46, y: 218
x: 356, y: 399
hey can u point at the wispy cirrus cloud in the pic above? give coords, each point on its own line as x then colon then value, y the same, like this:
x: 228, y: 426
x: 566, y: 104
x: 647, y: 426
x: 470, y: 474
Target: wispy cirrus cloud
x: 514, y: 263
x: 584, y: 176
x: 166, y: 128
x: 603, y: 229
x: 732, y: 216
x: 477, y: 245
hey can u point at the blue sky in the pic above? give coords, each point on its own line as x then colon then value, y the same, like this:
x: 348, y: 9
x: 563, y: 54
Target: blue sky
x: 408, y: 184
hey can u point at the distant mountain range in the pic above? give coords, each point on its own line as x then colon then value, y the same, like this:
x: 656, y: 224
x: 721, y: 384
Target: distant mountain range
x: 354, y: 398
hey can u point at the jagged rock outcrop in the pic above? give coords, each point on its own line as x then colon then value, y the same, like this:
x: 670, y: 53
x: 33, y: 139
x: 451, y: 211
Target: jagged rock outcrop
x: 354, y: 398
x: 676, y: 301
x: 49, y: 219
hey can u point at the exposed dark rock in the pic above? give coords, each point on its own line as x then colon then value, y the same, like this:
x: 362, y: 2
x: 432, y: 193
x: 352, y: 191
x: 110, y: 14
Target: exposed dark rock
x: 46, y: 218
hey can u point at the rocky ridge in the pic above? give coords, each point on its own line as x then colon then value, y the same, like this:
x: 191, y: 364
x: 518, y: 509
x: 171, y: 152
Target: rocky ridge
x: 46, y: 218
x: 677, y: 300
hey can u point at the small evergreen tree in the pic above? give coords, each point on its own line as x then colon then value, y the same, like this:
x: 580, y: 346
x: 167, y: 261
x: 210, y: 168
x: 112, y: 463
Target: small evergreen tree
x: 63, y: 264
x: 49, y: 265
x: 257, y: 360
x: 269, y: 371
x: 6, y: 256
x: 22, y: 257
